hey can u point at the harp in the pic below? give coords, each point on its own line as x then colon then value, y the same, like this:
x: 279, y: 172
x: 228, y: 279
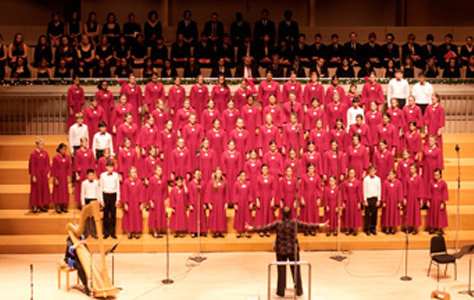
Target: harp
x: 101, y: 284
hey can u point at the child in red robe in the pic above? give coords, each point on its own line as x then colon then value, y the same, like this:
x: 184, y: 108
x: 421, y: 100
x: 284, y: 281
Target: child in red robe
x: 215, y: 198
x: 330, y: 204
x: 392, y: 199
x: 39, y: 168
x: 352, y: 200
x: 197, y: 206
x: 178, y: 201
x: 61, y: 172
x: 413, y: 199
x: 265, y: 199
x: 310, y: 195
x: 133, y: 198
x: 243, y: 203
x: 83, y: 161
x: 157, y: 193
x: 438, y: 195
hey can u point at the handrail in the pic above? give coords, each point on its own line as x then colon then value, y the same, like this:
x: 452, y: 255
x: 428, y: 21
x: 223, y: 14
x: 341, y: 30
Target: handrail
x: 288, y: 263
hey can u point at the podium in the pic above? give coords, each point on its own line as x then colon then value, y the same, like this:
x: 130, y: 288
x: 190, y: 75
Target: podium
x: 467, y: 250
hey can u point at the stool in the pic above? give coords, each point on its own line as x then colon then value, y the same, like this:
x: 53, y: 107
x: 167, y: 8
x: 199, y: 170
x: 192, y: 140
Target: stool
x: 62, y: 267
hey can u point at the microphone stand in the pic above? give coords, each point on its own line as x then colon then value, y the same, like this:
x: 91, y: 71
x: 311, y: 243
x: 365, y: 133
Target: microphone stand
x: 338, y: 257
x: 31, y: 281
x: 198, y: 258
x: 406, y: 277
x: 167, y: 280
x: 457, y: 148
x: 112, y: 251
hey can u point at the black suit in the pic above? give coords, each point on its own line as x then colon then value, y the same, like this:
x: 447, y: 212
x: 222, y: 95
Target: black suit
x: 260, y: 30
x: 219, y: 29
x: 353, y: 53
x: 333, y: 51
x: 277, y: 70
x: 262, y: 48
x: 407, y: 50
x: 178, y: 51
x: 322, y: 72
x: 204, y: 50
x: 302, y: 51
x: 427, y: 52
x: 300, y: 72
x: 191, y: 73
x: 372, y: 51
x: 216, y: 72
x: 286, y: 53
x: 442, y: 50
x: 242, y: 51
x: 240, y: 71
x: 239, y: 31
x: 159, y: 53
x: 392, y: 53
x: 316, y: 51
x: 189, y: 31
x: 226, y: 51
x: 288, y: 32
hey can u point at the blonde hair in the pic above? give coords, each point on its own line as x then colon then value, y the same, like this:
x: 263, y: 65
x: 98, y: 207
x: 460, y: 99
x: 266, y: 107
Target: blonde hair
x: 38, y: 140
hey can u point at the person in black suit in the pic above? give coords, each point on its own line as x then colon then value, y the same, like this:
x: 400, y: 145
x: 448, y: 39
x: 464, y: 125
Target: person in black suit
x: 353, y: 50
x: 226, y: 50
x: 372, y: 51
x: 447, y: 51
x: 159, y: 52
x: 390, y: 51
x: 412, y: 50
x: 321, y: 68
x: 214, y: 29
x: 192, y: 69
x: 180, y: 52
x: 188, y: 28
x: 275, y: 67
x: 247, y: 48
x: 285, y: 53
x: 317, y: 49
x: 288, y: 29
x: 265, y: 51
x: 263, y: 27
x: 239, y: 29
x: 247, y: 69
x: 221, y: 69
x: 296, y: 68
x: 428, y: 51
x: 302, y: 50
x: 204, y: 51
x: 334, y: 52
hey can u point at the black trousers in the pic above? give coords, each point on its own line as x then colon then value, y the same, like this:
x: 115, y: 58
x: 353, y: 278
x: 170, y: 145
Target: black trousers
x: 99, y: 154
x: 282, y: 274
x: 423, y: 109
x: 90, y: 228
x: 401, y: 102
x: 80, y: 271
x: 110, y: 214
x: 371, y: 214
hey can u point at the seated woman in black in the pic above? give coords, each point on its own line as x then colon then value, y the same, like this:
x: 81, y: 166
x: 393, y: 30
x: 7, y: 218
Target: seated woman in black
x: 62, y: 71
x: 55, y: 30
x: 152, y: 29
x: 20, y: 70
x: 65, y: 51
x: 365, y: 70
x: 168, y: 70
x: 470, y: 67
x: 390, y: 69
x: 431, y: 70
x: 82, y: 70
x: 92, y: 28
x: 408, y: 68
x: 3, y: 58
x: 159, y: 52
x: 102, y: 70
x: 191, y: 70
x: 86, y: 52
x: 74, y: 28
x: 43, y: 50
x: 345, y: 70
x: 131, y: 29
x: 452, y: 71
x: 74, y: 262
x: 148, y: 69
x: 104, y: 50
x: 121, y: 50
x: 123, y: 69
x: 285, y: 53
x: 139, y: 52
x: 111, y: 29
x: 43, y: 71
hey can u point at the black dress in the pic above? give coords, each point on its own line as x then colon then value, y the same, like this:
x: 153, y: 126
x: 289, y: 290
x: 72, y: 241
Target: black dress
x: 69, y: 55
x: 431, y: 73
x: 86, y: 54
x: 130, y: 29
x: 74, y: 27
x: 58, y: 73
x: 172, y: 73
x: 121, y: 51
x: 159, y: 53
x: 151, y: 33
x: 123, y: 72
x: 43, y: 75
x: 408, y: 72
x: 389, y: 73
x: 363, y: 72
x: 55, y: 30
x: 103, y: 53
x: 93, y: 28
x: 101, y: 72
x: 342, y: 73
x: 191, y: 73
x: 469, y: 72
x: 139, y: 52
x: 450, y: 73
x: 2, y: 62
x: 115, y: 30
x: 43, y: 52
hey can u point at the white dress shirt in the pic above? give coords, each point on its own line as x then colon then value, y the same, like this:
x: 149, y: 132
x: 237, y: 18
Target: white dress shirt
x: 76, y: 133
x: 109, y: 184
x: 89, y: 190
x: 372, y: 188
x: 422, y: 93
x: 102, y: 141
x: 352, y: 114
x: 397, y: 89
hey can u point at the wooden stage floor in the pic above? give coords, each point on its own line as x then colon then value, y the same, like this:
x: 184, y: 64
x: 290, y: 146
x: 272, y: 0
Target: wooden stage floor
x: 241, y: 276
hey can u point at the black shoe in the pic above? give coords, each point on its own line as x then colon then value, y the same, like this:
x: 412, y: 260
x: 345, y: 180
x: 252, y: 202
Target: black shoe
x: 175, y: 235
x: 106, y: 237
x: 281, y: 295
x: 64, y: 210
x: 113, y: 236
x: 35, y: 210
x: 58, y: 211
x: 354, y: 233
x: 335, y: 233
x: 43, y: 209
x: 221, y: 235
x: 348, y: 232
x: 261, y: 234
x: 215, y: 235
x: 239, y: 236
x: 313, y: 233
x: 300, y: 293
x: 441, y: 232
x: 373, y: 231
x: 130, y: 236
x: 137, y: 236
x: 328, y: 233
x: 305, y: 233
x: 193, y: 235
x: 367, y: 233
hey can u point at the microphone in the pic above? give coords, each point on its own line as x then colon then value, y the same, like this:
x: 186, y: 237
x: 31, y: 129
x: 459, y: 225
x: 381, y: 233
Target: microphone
x: 198, y: 151
x: 457, y: 148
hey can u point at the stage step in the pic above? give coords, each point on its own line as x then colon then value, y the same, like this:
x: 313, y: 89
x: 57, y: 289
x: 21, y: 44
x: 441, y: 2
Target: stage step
x: 26, y: 244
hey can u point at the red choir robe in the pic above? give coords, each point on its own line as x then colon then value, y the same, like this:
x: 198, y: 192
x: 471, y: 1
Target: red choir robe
x: 193, y: 214
x: 176, y: 96
x: 266, y: 135
x: 207, y: 163
x: 384, y: 162
x: 358, y: 159
x: 147, y: 166
x: 412, y: 114
x: 312, y: 115
x: 293, y: 137
x: 218, y: 143
x: 287, y: 110
x: 240, y: 138
x: 252, y: 169
x: 372, y: 92
x: 313, y: 90
x: 413, y: 143
x: 135, y: 98
x: 413, y: 191
x: 182, y: 117
x: 161, y: 117
x: 83, y: 161
x: 314, y: 158
x: 343, y: 141
x: 166, y: 144
x: 39, y: 166
x: 392, y: 196
x: 373, y: 120
x: 242, y: 197
x: 310, y: 192
x: 199, y: 95
x: 157, y: 192
x: 75, y: 100
x: 287, y: 194
x: 125, y: 130
x: 153, y: 92
x: 276, y: 113
x: 432, y: 160
x: 330, y: 200
x: 266, y: 191
x: 334, y: 112
x: 334, y: 164
x: 293, y: 164
x: 118, y: 114
x: 180, y: 162
x: 217, y: 198
x: 193, y: 136
x: 229, y: 118
x: 125, y: 160
x: 106, y: 101
x: 101, y: 168
x: 321, y: 140
x: 274, y: 161
x: 132, y: 193
x: 330, y: 92
x: 232, y: 164
x: 148, y: 137
x: 434, y: 120
x: 403, y: 170
x: 289, y: 87
x: 364, y: 132
x: 178, y: 201
x: 208, y: 117
x: 252, y: 117
x: 398, y: 118
x: 437, y: 217
x: 265, y: 89
x: 240, y: 97
x: 390, y: 134
x: 220, y: 95
x: 61, y: 170
x: 351, y: 194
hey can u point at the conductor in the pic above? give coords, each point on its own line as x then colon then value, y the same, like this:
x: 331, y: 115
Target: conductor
x: 284, y: 246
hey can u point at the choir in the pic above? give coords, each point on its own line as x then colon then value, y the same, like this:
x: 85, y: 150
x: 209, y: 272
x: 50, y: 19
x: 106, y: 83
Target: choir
x: 255, y: 152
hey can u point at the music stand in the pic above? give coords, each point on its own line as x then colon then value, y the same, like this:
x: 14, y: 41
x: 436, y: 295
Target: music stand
x: 467, y: 250
x: 112, y: 251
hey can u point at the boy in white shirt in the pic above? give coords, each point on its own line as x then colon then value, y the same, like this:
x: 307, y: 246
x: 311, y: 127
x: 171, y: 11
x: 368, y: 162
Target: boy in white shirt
x: 76, y: 132
x: 101, y: 141
x: 109, y: 198
x: 372, y: 190
x: 353, y: 112
x: 398, y: 88
x: 89, y: 193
